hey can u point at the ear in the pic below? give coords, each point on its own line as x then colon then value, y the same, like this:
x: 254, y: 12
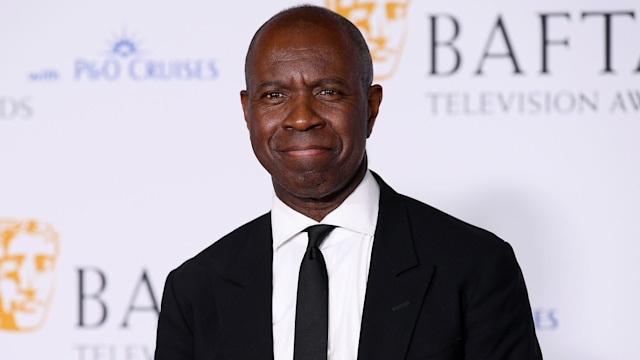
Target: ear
x: 374, y: 98
x: 244, y: 99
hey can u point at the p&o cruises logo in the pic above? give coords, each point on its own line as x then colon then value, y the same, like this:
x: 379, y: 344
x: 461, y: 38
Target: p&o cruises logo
x: 384, y: 25
x: 126, y: 59
x: 28, y: 253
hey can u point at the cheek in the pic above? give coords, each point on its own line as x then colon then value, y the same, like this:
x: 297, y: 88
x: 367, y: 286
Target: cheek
x: 260, y: 139
x: 353, y: 133
x: 263, y: 123
x: 258, y: 131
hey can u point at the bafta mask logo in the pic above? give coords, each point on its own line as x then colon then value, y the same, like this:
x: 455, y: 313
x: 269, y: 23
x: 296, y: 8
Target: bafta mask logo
x: 28, y: 253
x: 383, y: 24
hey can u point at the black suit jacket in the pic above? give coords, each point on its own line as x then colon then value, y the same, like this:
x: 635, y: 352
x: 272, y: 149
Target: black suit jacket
x: 438, y: 289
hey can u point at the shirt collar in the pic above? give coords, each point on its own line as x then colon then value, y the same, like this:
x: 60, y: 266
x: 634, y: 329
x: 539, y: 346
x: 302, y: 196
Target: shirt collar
x: 358, y: 213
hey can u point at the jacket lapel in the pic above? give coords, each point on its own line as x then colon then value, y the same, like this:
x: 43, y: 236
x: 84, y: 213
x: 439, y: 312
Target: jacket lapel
x: 245, y: 309
x: 395, y: 289
x: 396, y: 285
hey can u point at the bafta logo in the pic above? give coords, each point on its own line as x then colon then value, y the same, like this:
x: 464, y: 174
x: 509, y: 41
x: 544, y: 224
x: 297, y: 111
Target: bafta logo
x: 383, y: 24
x: 28, y: 253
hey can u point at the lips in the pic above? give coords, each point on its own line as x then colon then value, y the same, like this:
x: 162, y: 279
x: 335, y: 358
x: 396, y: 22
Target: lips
x: 305, y: 145
x: 302, y: 151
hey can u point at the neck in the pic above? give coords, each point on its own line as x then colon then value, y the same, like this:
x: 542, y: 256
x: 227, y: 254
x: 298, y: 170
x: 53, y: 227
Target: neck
x: 318, y: 208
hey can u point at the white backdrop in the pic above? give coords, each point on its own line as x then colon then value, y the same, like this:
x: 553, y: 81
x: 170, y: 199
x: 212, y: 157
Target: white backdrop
x: 121, y: 128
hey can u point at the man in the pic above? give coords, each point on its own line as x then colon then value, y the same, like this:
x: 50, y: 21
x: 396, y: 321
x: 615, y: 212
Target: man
x: 405, y: 281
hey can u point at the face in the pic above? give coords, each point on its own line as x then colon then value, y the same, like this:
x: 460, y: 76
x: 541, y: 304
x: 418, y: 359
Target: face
x: 26, y: 281
x: 307, y: 112
x: 384, y: 26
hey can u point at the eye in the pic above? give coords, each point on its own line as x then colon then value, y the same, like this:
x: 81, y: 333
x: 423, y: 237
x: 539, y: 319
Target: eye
x: 328, y: 92
x: 273, y: 95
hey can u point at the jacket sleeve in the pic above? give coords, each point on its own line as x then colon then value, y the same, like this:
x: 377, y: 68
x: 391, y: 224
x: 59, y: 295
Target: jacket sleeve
x: 498, y: 320
x: 174, y: 340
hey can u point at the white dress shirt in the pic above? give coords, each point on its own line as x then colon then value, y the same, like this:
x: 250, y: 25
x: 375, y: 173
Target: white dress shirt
x: 347, y: 253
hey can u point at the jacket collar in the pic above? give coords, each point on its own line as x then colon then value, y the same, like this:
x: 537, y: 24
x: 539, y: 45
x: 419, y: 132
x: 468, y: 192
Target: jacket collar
x: 397, y: 282
x: 244, y: 304
x: 396, y: 286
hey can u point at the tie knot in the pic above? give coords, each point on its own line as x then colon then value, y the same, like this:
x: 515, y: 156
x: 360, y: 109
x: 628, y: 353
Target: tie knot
x: 317, y: 233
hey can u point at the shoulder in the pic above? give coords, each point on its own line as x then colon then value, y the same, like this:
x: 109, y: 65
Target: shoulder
x: 466, y: 255
x: 446, y: 240
x: 446, y: 232
x: 219, y: 255
x: 471, y: 257
x: 430, y: 227
x: 426, y: 218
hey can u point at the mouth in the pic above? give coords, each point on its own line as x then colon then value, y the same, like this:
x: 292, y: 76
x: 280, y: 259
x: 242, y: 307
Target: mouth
x: 304, y: 151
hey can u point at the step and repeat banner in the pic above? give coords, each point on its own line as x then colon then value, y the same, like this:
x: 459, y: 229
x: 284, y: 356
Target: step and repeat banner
x: 123, y: 152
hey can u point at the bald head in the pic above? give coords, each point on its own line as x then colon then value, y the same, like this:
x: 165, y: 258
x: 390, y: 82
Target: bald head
x: 302, y: 18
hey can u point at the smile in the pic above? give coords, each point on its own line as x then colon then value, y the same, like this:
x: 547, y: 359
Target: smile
x: 305, y: 152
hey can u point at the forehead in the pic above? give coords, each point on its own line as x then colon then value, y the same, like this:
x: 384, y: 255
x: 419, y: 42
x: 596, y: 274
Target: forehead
x: 370, y: 2
x: 299, y: 22
x: 311, y: 45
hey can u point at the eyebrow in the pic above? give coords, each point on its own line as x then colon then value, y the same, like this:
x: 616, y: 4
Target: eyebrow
x: 269, y: 84
x: 331, y: 81
x: 319, y: 82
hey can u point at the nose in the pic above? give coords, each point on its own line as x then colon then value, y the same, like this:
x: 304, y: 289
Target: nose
x: 302, y: 115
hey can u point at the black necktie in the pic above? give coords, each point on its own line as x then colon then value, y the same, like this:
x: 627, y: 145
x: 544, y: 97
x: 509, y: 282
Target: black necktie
x: 312, y: 307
